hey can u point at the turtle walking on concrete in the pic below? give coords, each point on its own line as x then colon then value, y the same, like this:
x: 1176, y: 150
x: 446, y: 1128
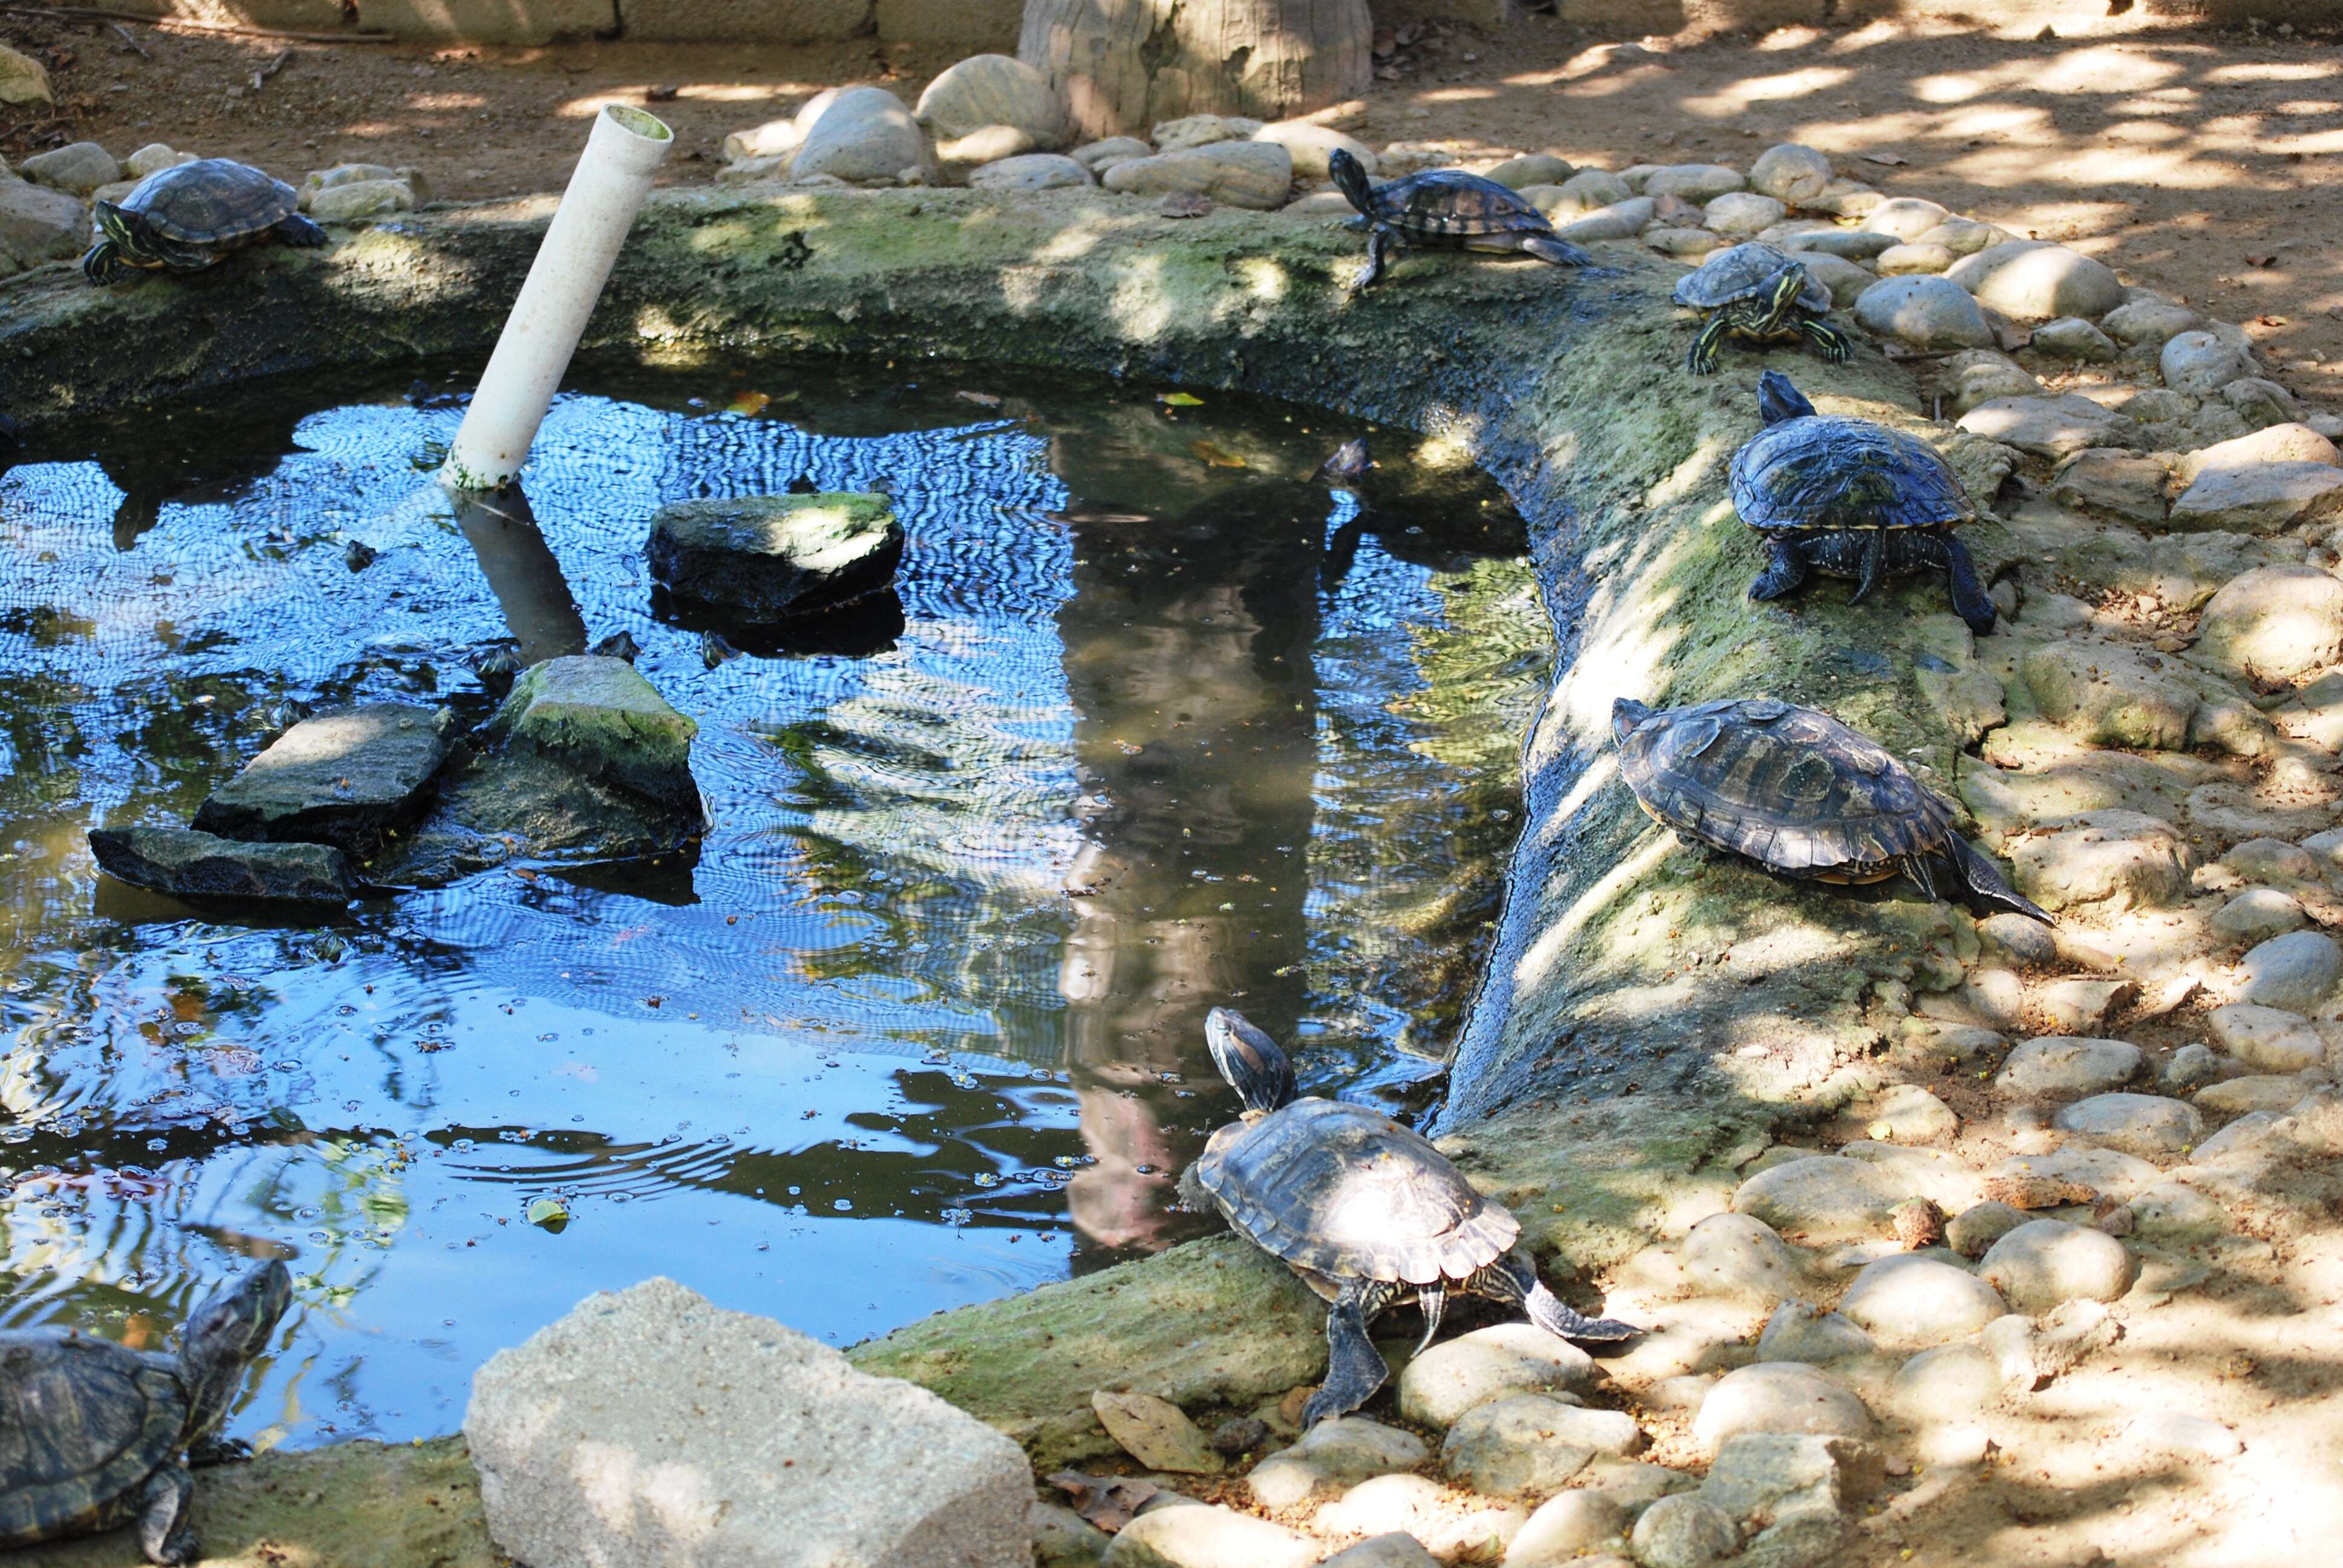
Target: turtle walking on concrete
x: 1799, y: 793
x: 1444, y: 209
x: 185, y: 217
x: 1850, y: 498
x: 1368, y: 1213
x: 94, y: 1435
x: 1761, y: 295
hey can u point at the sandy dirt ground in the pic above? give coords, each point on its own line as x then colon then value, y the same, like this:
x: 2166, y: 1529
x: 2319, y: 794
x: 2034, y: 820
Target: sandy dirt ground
x: 2192, y: 161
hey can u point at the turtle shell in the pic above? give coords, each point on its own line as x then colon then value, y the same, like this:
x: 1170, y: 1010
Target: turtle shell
x: 1791, y: 787
x: 83, y: 1423
x: 212, y: 201
x: 1821, y: 471
x: 1739, y: 273
x: 1345, y: 1192
x: 1450, y: 202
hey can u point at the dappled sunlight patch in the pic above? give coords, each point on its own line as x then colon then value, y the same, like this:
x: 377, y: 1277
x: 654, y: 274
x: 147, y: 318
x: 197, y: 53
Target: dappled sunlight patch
x: 1560, y: 934
x: 1790, y: 85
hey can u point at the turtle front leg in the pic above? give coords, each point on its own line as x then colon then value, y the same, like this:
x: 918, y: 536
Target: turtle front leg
x: 212, y: 1449
x: 1785, y: 569
x: 1354, y: 1369
x: 103, y: 263
x: 1706, y: 345
x: 165, y: 1533
x: 299, y: 231
x: 1513, y: 1279
x: 1379, y: 241
x: 1826, y: 340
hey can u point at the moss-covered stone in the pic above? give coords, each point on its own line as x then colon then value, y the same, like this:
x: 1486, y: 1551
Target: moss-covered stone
x: 601, y: 717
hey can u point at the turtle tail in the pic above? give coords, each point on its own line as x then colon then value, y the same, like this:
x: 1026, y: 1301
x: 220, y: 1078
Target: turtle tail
x: 1984, y: 880
x: 1558, y: 252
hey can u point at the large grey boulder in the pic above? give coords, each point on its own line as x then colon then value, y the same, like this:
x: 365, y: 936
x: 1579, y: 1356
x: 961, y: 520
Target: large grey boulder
x: 773, y: 557
x: 863, y: 134
x: 2202, y: 362
x: 1790, y: 173
x: 343, y: 779
x: 2260, y: 497
x: 2274, y: 623
x: 650, y: 1429
x: 995, y: 90
x: 1929, y: 312
x: 2293, y: 974
x: 77, y: 166
x: 191, y: 865
x: 2033, y: 280
x: 38, y: 224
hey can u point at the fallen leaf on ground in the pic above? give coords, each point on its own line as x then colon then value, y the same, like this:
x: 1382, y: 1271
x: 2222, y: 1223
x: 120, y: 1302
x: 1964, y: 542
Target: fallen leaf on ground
x: 1108, y: 1502
x: 1217, y: 457
x: 1155, y: 1431
x: 1180, y: 399
x: 984, y: 400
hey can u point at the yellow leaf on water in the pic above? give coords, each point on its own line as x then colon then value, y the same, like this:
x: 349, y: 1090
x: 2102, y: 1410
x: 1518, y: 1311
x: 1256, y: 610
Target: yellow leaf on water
x: 1180, y: 399
x: 746, y: 403
x: 1215, y: 455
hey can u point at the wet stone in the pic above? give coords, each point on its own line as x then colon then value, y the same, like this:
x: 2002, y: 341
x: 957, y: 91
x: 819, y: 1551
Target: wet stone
x: 1980, y: 1225
x: 1206, y: 1535
x: 2142, y: 1124
x: 1564, y: 1527
x: 1778, y: 1396
x: 771, y: 557
x: 600, y: 719
x: 1800, y: 1331
x: 1736, y: 1255
x: 2295, y: 973
x: 191, y: 865
x: 1455, y: 1375
x: 1912, y: 1302
x: 342, y: 778
x: 2065, y: 1068
x: 2268, y: 1038
x: 1828, y: 1198
x: 1529, y: 1446
x: 2046, y: 1263
x: 1685, y: 1532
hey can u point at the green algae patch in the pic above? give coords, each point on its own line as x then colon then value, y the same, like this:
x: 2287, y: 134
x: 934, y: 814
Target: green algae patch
x: 1215, y: 1322
x: 358, y: 1504
x: 602, y: 719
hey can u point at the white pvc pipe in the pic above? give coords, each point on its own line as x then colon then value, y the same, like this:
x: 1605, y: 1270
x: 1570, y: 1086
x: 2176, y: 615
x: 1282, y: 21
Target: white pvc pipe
x: 581, y: 246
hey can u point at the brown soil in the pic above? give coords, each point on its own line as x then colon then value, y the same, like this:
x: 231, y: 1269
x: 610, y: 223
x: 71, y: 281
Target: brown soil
x: 2190, y: 160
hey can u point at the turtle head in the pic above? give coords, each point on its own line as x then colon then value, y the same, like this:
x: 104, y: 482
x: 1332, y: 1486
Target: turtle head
x: 224, y: 1336
x: 1781, y: 291
x: 1778, y: 400
x: 1350, y: 177
x: 1249, y: 1059
x: 1627, y: 716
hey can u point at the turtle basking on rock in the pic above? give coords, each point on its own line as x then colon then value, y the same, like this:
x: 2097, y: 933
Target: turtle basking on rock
x: 1365, y: 1212
x: 1444, y: 209
x: 94, y: 1435
x: 185, y: 217
x: 1852, y: 499
x: 1761, y: 295
x: 1799, y: 793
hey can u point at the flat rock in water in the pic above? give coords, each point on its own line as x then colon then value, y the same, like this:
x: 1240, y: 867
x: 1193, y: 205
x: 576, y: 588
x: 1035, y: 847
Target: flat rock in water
x: 1156, y: 1433
x: 773, y: 557
x: 651, y: 1427
x: 2044, y: 1264
x: 2061, y: 1067
x: 342, y: 778
x: 1455, y: 1375
x: 2143, y: 1125
x: 1778, y: 1396
x: 191, y: 865
x: 599, y: 718
x: 2033, y: 280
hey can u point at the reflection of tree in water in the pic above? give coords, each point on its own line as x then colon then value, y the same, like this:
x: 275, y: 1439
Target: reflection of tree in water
x: 1187, y: 649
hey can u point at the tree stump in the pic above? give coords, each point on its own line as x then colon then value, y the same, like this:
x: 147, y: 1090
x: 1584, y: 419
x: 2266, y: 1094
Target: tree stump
x: 1127, y: 65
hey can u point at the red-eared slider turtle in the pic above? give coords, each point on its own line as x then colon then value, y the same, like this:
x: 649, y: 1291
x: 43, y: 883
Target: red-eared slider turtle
x: 1852, y: 500
x: 187, y: 217
x: 1798, y: 792
x: 1366, y: 1212
x: 1755, y: 292
x: 94, y: 1435
x: 1444, y: 209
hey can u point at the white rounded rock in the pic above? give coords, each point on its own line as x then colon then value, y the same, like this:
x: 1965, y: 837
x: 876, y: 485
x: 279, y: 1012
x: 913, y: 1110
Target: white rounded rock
x: 2257, y: 914
x: 1738, y: 1255
x: 1505, y: 1359
x: 864, y: 134
x: 2143, y: 1125
x: 994, y: 90
x: 1906, y: 217
x: 2295, y: 973
x: 1951, y: 1383
x: 1694, y: 182
x: 1790, y: 173
x: 1742, y: 212
x: 2267, y: 1039
x: 2033, y: 280
x: 1685, y: 1533
x: 1526, y: 1446
x: 2113, y: 858
x: 1909, y: 1302
x: 2201, y: 363
x: 2063, y: 1067
x: 1827, y: 1198
x: 1912, y: 259
x: 1310, y: 146
x: 1778, y: 1396
x: 1566, y: 1526
x: 1031, y: 172
x: 2046, y: 1263
x: 1800, y: 1331
x: 2274, y: 623
x: 1928, y: 313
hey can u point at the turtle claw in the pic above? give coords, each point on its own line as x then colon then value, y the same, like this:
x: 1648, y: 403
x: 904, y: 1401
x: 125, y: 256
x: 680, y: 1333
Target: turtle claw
x: 1433, y: 1300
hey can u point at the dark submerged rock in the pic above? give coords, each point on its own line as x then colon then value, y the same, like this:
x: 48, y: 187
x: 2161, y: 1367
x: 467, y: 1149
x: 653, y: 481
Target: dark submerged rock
x: 187, y: 864
x: 770, y: 558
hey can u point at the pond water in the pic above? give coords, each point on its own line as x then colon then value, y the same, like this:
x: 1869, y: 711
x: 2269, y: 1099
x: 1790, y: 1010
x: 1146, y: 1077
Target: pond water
x: 1169, y: 722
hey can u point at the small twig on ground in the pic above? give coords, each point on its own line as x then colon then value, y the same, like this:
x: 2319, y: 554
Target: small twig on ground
x: 275, y: 64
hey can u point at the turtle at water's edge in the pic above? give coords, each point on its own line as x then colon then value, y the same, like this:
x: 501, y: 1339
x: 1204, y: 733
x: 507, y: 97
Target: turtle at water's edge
x: 1850, y: 498
x: 185, y: 217
x: 1444, y: 209
x: 1799, y: 793
x: 1368, y: 1213
x: 1757, y: 293
x: 94, y: 1435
